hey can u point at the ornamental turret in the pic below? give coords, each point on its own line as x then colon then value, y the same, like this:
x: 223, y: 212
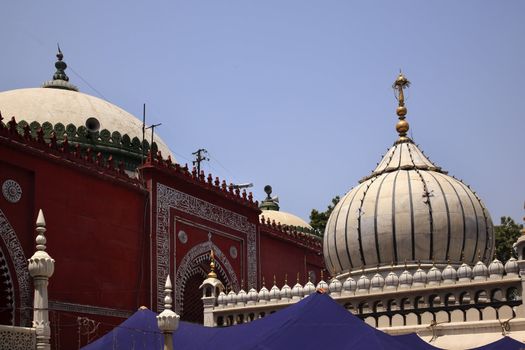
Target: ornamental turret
x: 41, y: 267
x: 168, y: 320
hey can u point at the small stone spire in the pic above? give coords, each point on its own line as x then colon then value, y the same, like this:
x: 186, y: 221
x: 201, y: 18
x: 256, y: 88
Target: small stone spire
x: 41, y: 267
x: 402, y: 126
x: 168, y: 320
x: 212, y: 273
x: 60, y: 78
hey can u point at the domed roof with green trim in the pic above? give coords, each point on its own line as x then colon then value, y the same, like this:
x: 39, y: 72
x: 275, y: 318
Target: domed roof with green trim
x: 58, y: 107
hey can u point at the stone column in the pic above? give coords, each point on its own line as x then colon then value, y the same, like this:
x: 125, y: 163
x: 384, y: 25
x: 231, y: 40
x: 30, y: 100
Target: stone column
x: 41, y: 266
x: 168, y: 320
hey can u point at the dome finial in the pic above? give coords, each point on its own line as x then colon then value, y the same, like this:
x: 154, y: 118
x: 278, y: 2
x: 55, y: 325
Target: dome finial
x: 60, y: 78
x: 212, y: 273
x: 269, y: 203
x: 399, y: 85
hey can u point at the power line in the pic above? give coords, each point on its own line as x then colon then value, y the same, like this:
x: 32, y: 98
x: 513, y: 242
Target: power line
x: 87, y: 83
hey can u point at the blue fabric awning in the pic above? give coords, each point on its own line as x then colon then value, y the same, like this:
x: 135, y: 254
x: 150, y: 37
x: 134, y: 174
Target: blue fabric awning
x: 505, y: 343
x: 316, y: 322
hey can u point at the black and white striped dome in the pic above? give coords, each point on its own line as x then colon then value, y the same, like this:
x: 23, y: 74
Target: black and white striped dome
x: 408, y: 209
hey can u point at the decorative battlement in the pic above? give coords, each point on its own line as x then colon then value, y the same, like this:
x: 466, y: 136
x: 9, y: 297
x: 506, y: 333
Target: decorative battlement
x: 44, y: 139
x: 307, y: 238
x: 404, y: 299
x: 215, y: 185
x: 122, y: 148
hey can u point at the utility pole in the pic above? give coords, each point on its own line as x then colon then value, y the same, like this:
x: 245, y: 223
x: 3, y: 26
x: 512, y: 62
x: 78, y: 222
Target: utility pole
x: 152, y: 127
x: 143, y: 131
x: 199, y: 157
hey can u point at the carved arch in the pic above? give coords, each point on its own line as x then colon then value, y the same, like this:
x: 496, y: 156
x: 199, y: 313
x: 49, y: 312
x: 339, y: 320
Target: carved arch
x: 193, y: 258
x: 19, y: 261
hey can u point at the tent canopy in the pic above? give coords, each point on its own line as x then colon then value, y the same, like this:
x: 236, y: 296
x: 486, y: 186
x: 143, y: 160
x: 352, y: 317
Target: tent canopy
x: 312, y: 323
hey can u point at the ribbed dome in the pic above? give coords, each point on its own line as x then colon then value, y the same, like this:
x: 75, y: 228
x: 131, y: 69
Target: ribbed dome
x: 408, y: 209
x: 72, y: 107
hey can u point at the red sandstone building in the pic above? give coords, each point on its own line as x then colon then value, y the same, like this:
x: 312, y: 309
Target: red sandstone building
x: 122, y: 214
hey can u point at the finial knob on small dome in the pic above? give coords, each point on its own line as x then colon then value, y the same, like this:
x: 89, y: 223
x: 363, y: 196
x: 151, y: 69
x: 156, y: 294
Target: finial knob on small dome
x: 399, y: 85
x: 60, y: 78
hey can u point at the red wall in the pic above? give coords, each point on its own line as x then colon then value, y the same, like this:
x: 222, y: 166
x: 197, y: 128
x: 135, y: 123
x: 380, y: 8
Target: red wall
x: 279, y: 257
x: 102, y: 228
x: 95, y: 231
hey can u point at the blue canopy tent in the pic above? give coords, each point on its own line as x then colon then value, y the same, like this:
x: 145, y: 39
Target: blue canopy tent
x: 505, y: 343
x: 312, y: 323
x: 139, y: 331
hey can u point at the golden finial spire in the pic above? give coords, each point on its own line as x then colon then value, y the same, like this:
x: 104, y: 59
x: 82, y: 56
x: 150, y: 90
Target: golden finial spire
x: 285, y: 278
x: 274, y: 280
x: 298, y: 277
x: 399, y: 85
x: 322, y: 274
x: 212, y: 273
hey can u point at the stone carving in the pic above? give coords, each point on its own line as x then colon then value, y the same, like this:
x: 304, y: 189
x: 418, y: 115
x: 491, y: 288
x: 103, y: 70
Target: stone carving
x: 17, y: 338
x: 7, y: 287
x: 12, y: 191
x: 19, y: 261
x: 167, y: 198
x: 196, y: 256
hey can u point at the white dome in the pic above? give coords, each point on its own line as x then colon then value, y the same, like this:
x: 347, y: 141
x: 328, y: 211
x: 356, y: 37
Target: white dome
x: 335, y: 286
x: 511, y: 266
x: 241, y: 297
x: 322, y: 284
x: 275, y: 293
x: 391, y: 280
x: 309, y: 288
x: 405, y: 279
x: 434, y: 275
x: 377, y: 282
x: 284, y: 218
x: 449, y: 274
x: 480, y: 271
x: 419, y: 278
x: 286, y: 292
x: 496, y: 268
x: 464, y: 272
x: 407, y: 210
x: 349, y: 285
x: 297, y: 290
x: 221, y: 299
x: 252, y: 296
x: 264, y: 294
x: 363, y: 283
x: 72, y: 107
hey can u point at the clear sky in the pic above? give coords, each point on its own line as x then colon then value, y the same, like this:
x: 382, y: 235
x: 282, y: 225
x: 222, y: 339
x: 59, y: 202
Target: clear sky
x: 297, y: 94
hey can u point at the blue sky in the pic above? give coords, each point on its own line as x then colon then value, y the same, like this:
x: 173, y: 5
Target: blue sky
x: 297, y: 94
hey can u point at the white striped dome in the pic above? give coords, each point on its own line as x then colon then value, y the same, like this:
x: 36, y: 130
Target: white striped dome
x: 408, y: 209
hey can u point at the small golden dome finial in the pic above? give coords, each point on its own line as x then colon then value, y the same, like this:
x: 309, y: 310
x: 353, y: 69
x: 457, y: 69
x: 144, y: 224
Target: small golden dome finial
x: 212, y: 273
x: 399, y: 85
